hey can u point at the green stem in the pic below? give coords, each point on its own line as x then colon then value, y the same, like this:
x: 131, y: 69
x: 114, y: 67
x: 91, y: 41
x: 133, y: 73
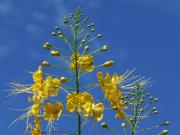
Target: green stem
x: 77, y: 76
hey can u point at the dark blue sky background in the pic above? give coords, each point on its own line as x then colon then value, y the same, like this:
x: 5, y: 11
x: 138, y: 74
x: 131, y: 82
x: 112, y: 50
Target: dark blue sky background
x: 141, y: 34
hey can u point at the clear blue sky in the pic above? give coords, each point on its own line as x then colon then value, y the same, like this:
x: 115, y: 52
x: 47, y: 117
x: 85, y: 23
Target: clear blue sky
x: 142, y: 34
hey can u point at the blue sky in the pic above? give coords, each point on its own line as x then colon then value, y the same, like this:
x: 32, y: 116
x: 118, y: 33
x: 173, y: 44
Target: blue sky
x: 141, y: 34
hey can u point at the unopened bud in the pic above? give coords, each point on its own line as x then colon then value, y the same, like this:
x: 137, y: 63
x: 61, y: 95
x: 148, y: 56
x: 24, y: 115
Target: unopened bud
x: 63, y: 79
x: 86, y: 47
x: 61, y: 36
x: 47, y: 46
x: 104, y: 125
x: 45, y: 63
x: 167, y: 123
x: 141, y: 110
x: 83, y: 41
x: 164, y: 132
x: 141, y: 101
x: 65, y: 21
x: 123, y: 125
x: 56, y: 27
x: 99, y: 36
x: 156, y: 100
x: 54, y: 53
x: 53, y: 34
x: 104, y: 48
x: 154, y: 108
x: 92, y: 30
x: 108, y: 63
x: 155, y: 112
x: 92, y: 24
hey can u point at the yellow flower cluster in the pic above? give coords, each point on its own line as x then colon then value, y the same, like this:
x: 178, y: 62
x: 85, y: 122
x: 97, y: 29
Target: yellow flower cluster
x: 112, y: 93
x: 84, y: 62
x: 52, y: 111
x: 83, y: 103
x: 36, y: 130
x: 45, y: 88
x: 42, y: 89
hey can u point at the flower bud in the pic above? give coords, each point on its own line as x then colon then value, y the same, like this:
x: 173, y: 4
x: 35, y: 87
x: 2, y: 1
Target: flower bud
x: 56, y: 27
x: 54, y: 53
x: 99, y: 36
x: 164, y: 132
x: 104, y: 125
x: 155, y: 112
x: 104, y: 48
x: 86, y: 47
x: 65, y: 20
x: 92, y: 30
x: 45, y: 63
x: 167, y: 123
x: 108, y: 63
x: 141, y: 110
x: 92, y: 24
x: 53, y: 34
x: 154, y: 108
x: 60, y: 32
x: 83, y: 41
x: 156, y: 100
x: 47, y: 46
x: 123, y: 125
x: 61, y: 36
x: 87, y: 35
x: 141, y: 101
x: 63, y: 79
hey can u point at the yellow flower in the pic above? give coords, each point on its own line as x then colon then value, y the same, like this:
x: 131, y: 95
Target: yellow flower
x: 35, y: 108
x: 84, y: 63
x: 110, y: 87
x: 81, y: 102
x: 52, y: 111
x: 38, y: 75
x: 97, y: 111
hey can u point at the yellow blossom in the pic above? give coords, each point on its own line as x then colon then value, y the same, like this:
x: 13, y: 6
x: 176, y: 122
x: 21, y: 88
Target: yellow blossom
x: 81, y: 102
x: 52, y: 111
x: 97, y: 111
x: 84, y: 62
x: 110, y: 87
x: 35, y: 108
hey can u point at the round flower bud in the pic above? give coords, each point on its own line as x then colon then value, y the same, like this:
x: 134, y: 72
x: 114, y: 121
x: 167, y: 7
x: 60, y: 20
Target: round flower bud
x: 92, y: 30
x: 84, y: 20
x: 108, y: 63
x: 63, y: 79
x: 164, y: 132
x: 92, y: 24
x: 60, y: 32
x: 99, y: 36
x: 83, y: 41
x: 47, y: 46
x: 86, y: 47
x: 141, y: 110
x: 87, y: 35
x: 104, y: 48
x: 104, y: 125
x: 154, y: 108
x: 53, y: 34
x: 56, y: 27
x: 65, y: 20
x: 167, y: 123
x: 54, y: 53
x: 61, y: 36
x: 45, y: 63
x: 88, y: 26
x: 155, y: 112
x: 156, y: 100
x: 123, y: 125
x: 141, y: 101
